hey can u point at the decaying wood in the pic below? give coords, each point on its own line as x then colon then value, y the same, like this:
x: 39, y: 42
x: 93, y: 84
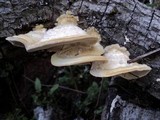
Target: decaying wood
x: 126, y: 22
x: 123, y: 110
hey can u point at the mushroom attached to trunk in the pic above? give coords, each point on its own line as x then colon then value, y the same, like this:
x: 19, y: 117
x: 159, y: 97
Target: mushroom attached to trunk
x: 66, y: 32
x: 30, y: 38
x: 117, y: 65
x: 92, y: 31
x: 78, y: 53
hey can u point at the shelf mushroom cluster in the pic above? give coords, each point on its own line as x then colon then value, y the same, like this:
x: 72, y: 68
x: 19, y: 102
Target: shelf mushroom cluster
x: 74, y: 46
x: 117, y: 64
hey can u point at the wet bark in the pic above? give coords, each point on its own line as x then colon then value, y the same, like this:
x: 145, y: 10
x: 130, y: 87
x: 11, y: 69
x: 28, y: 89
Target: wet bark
x: 126, y: 22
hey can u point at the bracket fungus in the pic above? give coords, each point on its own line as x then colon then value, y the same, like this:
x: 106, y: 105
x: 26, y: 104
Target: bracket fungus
x: 29, y: 38
x: 75, y: 54
x: 79, y: 53
x: 117, y: 65
x: 66, y: 31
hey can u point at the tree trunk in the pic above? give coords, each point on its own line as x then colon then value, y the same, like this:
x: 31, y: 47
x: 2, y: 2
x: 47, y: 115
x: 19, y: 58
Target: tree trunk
x: 126, y: 22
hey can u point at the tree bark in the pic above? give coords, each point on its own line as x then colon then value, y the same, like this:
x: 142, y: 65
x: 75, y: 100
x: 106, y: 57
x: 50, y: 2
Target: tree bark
x: 126, y: 22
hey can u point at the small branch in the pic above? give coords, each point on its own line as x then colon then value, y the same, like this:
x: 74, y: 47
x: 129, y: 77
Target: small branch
x: 78, y: 91
x: 143, y: 56
x: 60, y: 86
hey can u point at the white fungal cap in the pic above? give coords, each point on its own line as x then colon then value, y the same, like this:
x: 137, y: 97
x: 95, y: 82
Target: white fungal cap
x: 116, y: 64
x: 62, y: 31
x: 90, y: 31
x: 66, y: 32
x: 78, y: 54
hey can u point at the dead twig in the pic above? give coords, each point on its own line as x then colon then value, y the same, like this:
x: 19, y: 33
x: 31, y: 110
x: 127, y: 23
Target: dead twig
x: 60, y: 86
x: 143, y: 56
